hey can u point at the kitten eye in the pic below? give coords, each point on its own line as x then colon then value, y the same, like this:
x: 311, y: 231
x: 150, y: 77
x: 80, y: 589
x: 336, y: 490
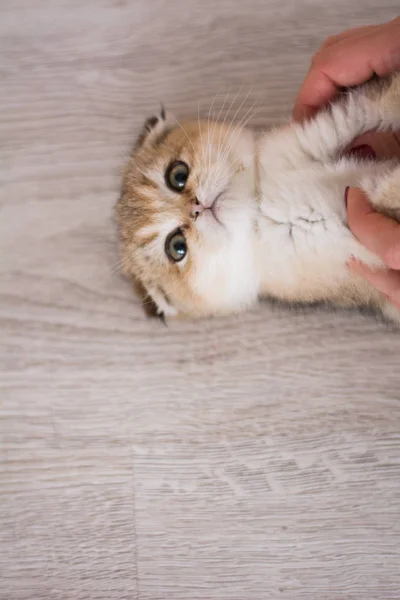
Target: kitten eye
x: 177, y: 175
x: 175, y: 245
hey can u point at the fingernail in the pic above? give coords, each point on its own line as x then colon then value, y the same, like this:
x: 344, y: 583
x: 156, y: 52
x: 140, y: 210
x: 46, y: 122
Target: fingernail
x: 351, y: 261
x: 363, y: 152
x: 346, y: 192
x: 355, y: 264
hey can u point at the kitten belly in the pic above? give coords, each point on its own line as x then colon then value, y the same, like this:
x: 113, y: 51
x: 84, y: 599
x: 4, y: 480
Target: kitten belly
x: 303, y: 234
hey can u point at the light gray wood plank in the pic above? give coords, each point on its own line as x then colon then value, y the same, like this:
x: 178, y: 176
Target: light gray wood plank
x: 66, y: 521
x: 270, y: 517
x: 254, y: 457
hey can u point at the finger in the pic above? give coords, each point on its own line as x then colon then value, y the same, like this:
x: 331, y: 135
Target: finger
x: 346, y: 64
x: 349, y: 33
x: 323, y: 88
x: 303, y: 112
x: 317, y: 90
x: 386, y: 281
x: 376, y: 232
x: 384, y: 145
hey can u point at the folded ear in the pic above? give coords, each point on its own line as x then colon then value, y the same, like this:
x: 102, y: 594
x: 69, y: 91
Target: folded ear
x: 160, y: 300
x: 154, y: 129
x: 155, y: 303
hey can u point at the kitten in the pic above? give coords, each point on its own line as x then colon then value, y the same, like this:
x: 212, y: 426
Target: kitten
x: 211, y: 219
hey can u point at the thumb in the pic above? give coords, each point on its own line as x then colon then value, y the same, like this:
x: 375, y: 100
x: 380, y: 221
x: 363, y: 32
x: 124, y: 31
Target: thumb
x: 357, y: 204
x: 376, y: 232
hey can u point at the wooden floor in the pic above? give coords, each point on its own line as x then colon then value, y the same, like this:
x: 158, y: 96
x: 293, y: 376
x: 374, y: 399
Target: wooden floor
x: 249, y: 460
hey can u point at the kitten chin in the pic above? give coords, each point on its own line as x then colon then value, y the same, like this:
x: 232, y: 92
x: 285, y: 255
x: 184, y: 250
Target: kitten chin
x: 211, y: 221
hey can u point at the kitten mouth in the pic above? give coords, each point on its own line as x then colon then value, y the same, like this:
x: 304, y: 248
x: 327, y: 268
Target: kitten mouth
x: 216, y: 205
x: 198, y: 209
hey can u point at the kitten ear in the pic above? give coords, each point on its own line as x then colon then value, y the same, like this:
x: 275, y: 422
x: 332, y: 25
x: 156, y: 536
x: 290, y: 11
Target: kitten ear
x: 154, y: 302
x: 164, y: 308
x: 154, y: 129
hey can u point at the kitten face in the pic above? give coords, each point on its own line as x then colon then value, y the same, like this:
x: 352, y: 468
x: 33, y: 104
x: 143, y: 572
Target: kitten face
x: 187, y: 217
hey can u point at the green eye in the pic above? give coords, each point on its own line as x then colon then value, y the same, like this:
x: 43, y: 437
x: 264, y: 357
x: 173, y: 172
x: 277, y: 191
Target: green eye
x: 177, y: 175
x: 175, y: 245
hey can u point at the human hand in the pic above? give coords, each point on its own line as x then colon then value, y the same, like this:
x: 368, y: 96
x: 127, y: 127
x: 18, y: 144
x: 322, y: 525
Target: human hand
x: 381, y: 235
x: 348, y: 59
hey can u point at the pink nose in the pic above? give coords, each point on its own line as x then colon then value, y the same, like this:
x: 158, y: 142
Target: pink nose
x: 196, y: 208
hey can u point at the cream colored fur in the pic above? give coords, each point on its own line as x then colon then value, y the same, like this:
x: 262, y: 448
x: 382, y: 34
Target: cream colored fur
x: 280, y: 227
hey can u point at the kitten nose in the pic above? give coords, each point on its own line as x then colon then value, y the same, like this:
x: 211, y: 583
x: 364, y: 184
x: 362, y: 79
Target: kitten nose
x: 196, y: 208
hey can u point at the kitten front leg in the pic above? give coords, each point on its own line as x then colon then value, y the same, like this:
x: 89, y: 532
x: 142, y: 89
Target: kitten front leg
x: 373, y: 106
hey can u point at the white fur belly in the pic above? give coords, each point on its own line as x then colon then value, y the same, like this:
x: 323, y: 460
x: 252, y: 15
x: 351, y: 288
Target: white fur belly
x: 304, y: 239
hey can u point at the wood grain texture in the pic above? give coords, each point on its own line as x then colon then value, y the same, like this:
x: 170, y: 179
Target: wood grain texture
x: 251, y: 459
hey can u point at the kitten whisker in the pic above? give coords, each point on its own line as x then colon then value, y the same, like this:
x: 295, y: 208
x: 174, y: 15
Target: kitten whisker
x: 210, y: 179
x: 237, y: 129
x: 223, y: 122
x: 231, y: 105
x: 222, y: 165
x: 208, y: 134
x: 185, y: 132
x: 118, y: 266
x: 216, y: 123
x: 210, y: 111
x: 199, y: 128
